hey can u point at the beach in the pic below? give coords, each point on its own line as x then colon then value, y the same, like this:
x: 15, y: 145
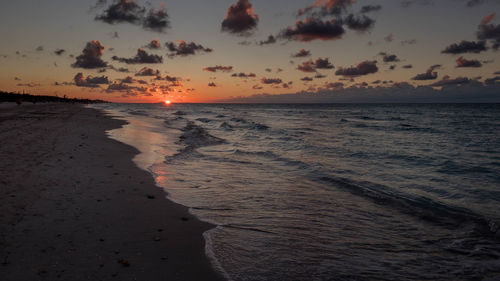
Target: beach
x: 75, y: 207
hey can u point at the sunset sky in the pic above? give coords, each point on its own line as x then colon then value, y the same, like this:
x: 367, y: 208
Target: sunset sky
x: 202, y: 51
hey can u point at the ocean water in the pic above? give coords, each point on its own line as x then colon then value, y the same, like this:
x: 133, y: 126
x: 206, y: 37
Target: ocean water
x: 331, y: 192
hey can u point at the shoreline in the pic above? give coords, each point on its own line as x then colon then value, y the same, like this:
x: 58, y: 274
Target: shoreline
x: 77, y: 207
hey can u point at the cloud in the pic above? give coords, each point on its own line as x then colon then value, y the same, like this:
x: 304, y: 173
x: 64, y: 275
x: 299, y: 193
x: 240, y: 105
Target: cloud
x: 388, y: 57
x: 270, y: 40
x: 465, y: 47
x: 91, y: 56
x: 257, y: 87
x: 89, y: 81
x: 409, y: 42
x: 156, y: 20
x: 430, y: 74
x: 30, y: 84
x: 128, y: 80
x: 370, y: 8
x: 141, y: 57
x: 359, y: 23
x: 122, y: 11
x: 313, y: 29
x: 461, y: 62
x: 319, y: 76
x: 243, y: 75
x: 146, y: 71
x: 59, y: 52
x: 407, y: 66
x: 301, y: 54
x: 218, y: 68
x: 307, y: 66
x: 240, y: 19
x: 154, y: 44
x: 212, y: 84
x: 172, y: 78
x: 322, y: 8
x: 39, y: 48
x: 472, y: 3
x: 492, y: 81
x: 185, y: 49
x: 489, y: 31
x: 446, y: 81
x: 271, y: 81
x: 363, y: 68
x: 306, y: 79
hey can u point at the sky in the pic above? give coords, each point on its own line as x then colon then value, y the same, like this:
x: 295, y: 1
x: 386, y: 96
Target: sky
x: 253, y: 50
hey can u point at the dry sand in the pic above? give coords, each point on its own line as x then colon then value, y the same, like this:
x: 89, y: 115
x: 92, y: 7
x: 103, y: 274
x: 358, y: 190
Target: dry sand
x: 74, y: 206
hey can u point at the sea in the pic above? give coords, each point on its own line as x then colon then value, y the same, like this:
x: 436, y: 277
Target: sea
x: 330, y: 191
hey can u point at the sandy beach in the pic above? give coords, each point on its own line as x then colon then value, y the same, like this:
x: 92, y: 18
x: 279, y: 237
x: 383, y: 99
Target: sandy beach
x: 75, y: 207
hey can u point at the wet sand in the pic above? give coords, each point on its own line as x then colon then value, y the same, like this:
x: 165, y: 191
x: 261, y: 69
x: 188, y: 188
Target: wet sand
x: 75, y: 207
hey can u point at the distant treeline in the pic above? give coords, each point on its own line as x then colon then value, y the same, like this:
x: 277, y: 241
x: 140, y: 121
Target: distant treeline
x: 20, y: 98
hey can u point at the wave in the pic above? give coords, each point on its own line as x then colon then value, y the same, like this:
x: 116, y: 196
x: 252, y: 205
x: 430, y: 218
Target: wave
x: 250, y: 124
x: 421, y: 207
x: 272, y: 156
x: 194, y: 137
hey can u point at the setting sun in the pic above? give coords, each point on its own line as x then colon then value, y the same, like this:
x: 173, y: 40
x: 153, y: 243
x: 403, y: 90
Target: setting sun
x: 168, y: 102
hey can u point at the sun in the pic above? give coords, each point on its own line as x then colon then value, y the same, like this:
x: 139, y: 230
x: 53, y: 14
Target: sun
x: 168, y: 102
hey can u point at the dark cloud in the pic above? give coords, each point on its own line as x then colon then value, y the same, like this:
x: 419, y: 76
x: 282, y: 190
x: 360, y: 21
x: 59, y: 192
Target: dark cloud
x: 91, y: 56
x: 313, y: 29
x: 409, y: 42
x: 388, y: 57
x: 185, y: 49
x: 154, y: 44
x: 172, y: 78
x: 370, y: 8
x: 465, y: 47
x: 407, y: 66
x: 489, y: 31
x: 128, y: 80
x: 218, y: 68
x: 363, y: 68
x: 270, y: 40
x: 122, y: 11
x: 492, y: 81
x: 257, y: 87
x: 39, y: 48
x: 212, y: 84
x: 271, y: 81
x: 462, y: 62
x: 306, y: 79
x: 322, y: 8
x: 243, y: 75
x: 334, y: 85
x: 430, y: 74
x: 59, y: 52
x: 307, y: 66
x: 146, y: 71
x: 245, y: 43
x: 408, y: 3
x: 17, y: 78
x: 446, y: 81
x: 392, y: 67
x: 156, y: 20
x: 240, y: 19
x: 472, y: 3
x: 30, y: 85
x: 319, y: 76
x: 89, y: 81
x: 141, y: 57
x: 359, y: 23
x: 301, y: 53
x: 268, y: 70
x: 323, y: 64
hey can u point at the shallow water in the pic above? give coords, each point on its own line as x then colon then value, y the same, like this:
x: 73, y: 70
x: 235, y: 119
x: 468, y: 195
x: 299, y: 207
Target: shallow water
x: 331, y: 192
